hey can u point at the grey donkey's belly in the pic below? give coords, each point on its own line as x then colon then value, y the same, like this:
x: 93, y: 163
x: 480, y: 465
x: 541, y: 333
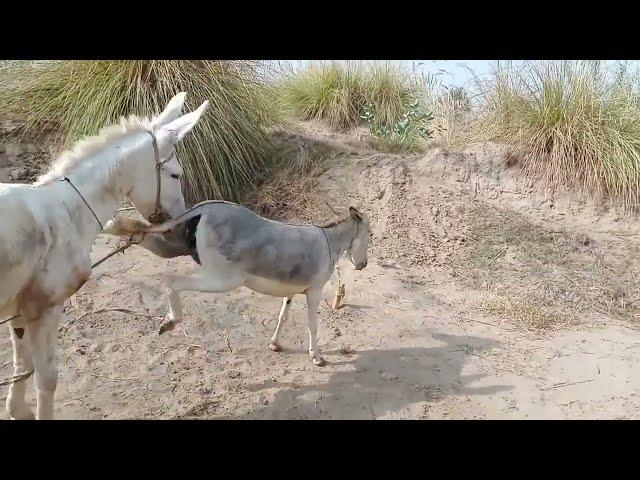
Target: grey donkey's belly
x: 274, y: 288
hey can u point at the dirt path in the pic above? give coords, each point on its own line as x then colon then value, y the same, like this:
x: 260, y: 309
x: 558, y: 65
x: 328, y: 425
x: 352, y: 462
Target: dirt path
x: 422, y: 335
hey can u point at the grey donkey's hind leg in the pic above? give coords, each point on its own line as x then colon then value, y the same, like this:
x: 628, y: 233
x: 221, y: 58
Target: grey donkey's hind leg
x: 284, y: 313
x: 218, y: 282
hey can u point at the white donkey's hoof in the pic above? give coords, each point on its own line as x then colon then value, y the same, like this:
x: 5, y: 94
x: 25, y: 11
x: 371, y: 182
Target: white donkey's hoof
x: 21, y: 414
x: 167, y: 326
x: 274, y: 346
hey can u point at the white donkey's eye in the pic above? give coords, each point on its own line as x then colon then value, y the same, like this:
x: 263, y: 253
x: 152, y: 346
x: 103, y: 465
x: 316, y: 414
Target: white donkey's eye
x: 176, y: 176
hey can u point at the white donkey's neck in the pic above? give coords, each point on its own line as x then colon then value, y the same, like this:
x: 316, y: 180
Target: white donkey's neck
x: 100, y: 173
x: 91, y: 193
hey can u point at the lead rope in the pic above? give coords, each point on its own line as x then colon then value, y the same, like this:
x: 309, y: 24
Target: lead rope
x: 341, y: 288
x: 66, y: 179
x: 120, y: 249
x: 19, y: 377
x: 340, y: 294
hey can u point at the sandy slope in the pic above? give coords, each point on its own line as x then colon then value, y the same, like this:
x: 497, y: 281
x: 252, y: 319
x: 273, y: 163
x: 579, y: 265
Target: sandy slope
x: 413, y: 341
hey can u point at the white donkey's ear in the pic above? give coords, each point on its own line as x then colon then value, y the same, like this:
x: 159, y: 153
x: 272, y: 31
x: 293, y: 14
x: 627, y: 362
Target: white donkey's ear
x: 172, y: 111
x: 177, y: 129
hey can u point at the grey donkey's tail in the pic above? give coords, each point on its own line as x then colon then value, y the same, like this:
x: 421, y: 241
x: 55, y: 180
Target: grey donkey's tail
x: 182, y: 218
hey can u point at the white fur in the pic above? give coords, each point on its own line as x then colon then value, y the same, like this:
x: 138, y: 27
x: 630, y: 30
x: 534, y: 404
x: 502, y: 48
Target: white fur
x: 47, y: 232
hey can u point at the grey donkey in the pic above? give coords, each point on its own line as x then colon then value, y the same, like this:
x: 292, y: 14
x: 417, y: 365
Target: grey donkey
x: 236, y: 247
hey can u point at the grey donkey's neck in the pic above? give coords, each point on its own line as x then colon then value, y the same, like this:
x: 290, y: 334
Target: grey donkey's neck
x: 340, y: 236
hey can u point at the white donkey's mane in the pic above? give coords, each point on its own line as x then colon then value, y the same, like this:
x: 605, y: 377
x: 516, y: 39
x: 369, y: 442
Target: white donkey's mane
x: 88, y: 146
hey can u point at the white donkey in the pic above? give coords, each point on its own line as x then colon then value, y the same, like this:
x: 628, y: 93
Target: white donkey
x: 237, y: 247
x: 48, y: 229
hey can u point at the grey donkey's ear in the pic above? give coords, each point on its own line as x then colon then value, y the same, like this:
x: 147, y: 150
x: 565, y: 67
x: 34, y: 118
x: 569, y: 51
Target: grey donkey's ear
x: 355, y: 214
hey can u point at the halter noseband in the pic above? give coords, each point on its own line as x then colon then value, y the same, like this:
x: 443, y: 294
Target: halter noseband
x: 157, y: 212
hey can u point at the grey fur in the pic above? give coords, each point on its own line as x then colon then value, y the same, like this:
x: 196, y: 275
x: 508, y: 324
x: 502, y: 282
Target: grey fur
x: 291, y: 254
x: 235, y: 247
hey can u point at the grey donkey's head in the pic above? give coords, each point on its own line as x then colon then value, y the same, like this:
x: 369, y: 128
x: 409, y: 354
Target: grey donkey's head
x: 360, y: 243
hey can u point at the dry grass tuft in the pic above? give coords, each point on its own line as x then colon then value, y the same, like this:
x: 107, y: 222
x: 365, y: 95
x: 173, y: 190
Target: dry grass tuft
x: 223, y: 156
x: 289, y: 191
x: 542, y: 278
x: 528, y: 313
x: 571, y: 124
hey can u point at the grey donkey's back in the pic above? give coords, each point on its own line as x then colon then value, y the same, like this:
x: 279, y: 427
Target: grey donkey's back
x: 287, y: 253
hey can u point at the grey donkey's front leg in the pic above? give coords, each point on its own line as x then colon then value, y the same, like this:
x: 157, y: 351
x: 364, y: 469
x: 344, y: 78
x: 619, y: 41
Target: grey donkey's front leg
x: 313, y: 300
x: 284, y: 313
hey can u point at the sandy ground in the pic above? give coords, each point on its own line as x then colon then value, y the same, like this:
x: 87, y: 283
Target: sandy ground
x: 415, y: 340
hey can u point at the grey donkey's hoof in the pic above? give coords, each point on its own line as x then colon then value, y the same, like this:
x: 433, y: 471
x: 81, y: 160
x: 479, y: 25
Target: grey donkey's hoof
x: 167, y: 326
x: 319, y: 362
x: 274, y: 346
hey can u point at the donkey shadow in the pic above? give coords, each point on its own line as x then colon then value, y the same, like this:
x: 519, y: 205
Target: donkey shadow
x: 380, y: 382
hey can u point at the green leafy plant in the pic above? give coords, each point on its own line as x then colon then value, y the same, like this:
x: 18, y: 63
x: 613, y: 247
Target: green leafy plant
x: 407, y: 132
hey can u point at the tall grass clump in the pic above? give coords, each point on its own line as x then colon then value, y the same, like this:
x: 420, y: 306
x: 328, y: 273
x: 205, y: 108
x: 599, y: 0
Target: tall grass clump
x: 454, y: 118
x: 570, y: 123
x: 390, y: 90
x: 347, y: 94
x: 227, y: 149
x: 333, y: 92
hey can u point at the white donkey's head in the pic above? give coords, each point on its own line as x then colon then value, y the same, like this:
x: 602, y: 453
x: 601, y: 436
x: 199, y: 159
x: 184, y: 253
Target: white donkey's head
x: 156, y: 189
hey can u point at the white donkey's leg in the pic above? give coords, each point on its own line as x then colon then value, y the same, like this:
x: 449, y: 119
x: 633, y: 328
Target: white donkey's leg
x: 218, y: 282
x: 22, y: 363
x: 284, y: 313
x: 43, y: 332
x: 313, y: 299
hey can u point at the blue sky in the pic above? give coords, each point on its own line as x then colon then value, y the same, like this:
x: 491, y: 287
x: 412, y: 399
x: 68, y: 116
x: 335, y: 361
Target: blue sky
x: 451, y: 72
x: 456, y: 72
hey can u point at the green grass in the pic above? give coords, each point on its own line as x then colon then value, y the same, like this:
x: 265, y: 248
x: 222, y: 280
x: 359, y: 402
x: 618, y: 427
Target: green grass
x: 390, y: 90
x: 329, y: 91
x: 337, y: 92
x: 229, y: 147
x: 570, y: 124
